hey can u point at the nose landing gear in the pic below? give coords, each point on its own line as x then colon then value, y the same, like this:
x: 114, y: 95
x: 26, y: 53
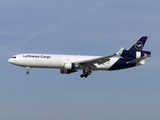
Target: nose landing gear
x: 28, y: 68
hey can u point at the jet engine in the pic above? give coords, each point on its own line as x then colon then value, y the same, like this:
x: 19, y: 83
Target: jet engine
x: 68, y: 68
x: 66, y: 71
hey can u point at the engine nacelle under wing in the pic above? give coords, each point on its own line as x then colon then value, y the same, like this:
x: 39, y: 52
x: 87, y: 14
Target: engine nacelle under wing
x: 68, y: 68
x: 66, y: 71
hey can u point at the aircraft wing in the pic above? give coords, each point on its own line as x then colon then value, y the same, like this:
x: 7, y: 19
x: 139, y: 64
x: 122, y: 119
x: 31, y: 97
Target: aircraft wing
x: 99, y: 60
x: 138, y: 60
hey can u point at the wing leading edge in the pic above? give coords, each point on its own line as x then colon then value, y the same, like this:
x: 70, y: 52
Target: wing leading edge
x: 99, y: 60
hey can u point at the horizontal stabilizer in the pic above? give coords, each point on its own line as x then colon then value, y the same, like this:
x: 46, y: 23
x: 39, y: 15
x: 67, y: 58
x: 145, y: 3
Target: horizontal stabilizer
x: 138, y: 60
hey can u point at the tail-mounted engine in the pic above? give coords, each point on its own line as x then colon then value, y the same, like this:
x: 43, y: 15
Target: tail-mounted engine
x: 69, y: 68
x: 133, y: 54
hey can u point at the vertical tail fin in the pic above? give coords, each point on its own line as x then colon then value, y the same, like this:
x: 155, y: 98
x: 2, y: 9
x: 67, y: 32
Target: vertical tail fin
x: 139, y: 44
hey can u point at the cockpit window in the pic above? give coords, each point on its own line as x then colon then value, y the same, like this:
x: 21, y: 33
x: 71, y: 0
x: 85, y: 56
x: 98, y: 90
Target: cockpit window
x: 14, y: 57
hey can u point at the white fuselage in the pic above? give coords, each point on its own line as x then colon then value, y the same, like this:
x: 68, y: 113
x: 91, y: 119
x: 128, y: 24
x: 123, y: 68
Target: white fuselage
x: 67, y: 64
x: 55, y: 61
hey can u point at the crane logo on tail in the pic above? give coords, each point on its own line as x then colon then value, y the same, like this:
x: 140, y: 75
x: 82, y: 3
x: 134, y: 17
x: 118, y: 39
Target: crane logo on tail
x: 139, y: 45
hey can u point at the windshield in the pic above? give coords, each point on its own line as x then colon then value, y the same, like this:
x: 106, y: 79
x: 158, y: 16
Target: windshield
x: 14, y: 57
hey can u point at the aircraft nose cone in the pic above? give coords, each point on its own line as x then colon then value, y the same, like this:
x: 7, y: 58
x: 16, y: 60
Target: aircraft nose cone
x: 11, y: 60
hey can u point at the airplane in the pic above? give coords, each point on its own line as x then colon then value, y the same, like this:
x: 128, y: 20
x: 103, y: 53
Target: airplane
x: 132, y: 57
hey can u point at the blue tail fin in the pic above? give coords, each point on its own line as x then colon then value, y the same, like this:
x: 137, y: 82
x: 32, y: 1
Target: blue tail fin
x: 138, y: 46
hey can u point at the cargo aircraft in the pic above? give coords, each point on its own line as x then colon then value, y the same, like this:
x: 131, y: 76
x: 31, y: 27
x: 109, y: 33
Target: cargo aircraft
x: 134, y: 56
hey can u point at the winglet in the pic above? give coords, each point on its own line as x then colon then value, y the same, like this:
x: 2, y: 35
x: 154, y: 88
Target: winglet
x: 120, y: 51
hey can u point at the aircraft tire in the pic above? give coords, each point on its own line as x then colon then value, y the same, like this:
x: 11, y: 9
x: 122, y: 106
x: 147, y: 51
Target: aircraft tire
x: 81, y: 75
x: 86, y: 76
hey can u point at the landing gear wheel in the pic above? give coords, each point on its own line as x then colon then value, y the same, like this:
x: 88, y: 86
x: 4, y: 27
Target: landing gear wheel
x: 86, y: 76
x: 81, y: 75
x: 85, y: 73
x: 28, y: 68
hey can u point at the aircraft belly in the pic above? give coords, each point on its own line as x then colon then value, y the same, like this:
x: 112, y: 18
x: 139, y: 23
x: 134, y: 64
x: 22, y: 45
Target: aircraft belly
x: 107, y: 65
x: 122, y: 64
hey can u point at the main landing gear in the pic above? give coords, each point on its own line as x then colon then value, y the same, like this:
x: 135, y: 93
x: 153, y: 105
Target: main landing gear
x: 85, y: 73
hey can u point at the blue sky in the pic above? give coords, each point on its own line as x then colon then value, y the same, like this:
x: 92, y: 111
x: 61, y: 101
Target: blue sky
x: 86, y: 27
